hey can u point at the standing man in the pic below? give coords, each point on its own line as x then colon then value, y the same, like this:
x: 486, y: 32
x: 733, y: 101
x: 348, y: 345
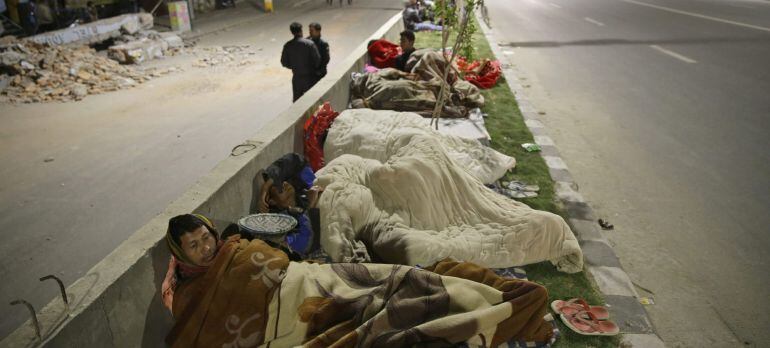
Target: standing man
x: 407, y: 48
x: 301, y: 56
x: 323, y: 49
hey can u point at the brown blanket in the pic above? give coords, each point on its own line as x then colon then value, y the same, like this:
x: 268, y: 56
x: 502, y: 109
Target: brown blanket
x: 388, y: 89
x: 253, y: 296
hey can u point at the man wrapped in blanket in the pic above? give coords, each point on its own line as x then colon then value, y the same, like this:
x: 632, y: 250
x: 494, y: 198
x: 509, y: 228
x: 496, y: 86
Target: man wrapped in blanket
x: 239, y: 293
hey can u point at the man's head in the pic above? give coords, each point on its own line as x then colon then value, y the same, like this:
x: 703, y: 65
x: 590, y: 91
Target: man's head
x: 315, y: 30
x: 407, y: 40
x: 195, y: 237
x: 296, y: 29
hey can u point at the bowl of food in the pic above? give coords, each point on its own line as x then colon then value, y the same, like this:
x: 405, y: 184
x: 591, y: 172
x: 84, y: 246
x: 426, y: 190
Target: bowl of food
x: 271, y: 227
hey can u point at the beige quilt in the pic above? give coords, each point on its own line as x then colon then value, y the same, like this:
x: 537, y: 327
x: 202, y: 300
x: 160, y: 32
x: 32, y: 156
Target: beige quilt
x: 379, y: 134
x: 415, y: 204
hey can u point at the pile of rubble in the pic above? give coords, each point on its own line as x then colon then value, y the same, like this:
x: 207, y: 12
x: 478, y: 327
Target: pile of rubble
x: 144, y: 45
x: 229, y: 56
x: 32, y: 72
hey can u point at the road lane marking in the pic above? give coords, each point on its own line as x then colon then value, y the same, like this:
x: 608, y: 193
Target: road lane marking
x: 298, y: 4
x: 554, y: 5
x: 750, y: 26
x: 673, y: 54
x: 594, y: 21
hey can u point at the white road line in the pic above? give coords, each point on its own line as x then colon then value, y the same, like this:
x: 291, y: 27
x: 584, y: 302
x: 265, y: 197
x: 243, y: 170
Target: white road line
x: 555, y: 5
x: 298, y: 4
x: 750, y: 26
x: 673, y: 54
x: 594, y: 21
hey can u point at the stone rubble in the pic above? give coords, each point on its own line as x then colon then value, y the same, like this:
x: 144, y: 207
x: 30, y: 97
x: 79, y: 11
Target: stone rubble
x: 32, y: 72
x: 227, y: 56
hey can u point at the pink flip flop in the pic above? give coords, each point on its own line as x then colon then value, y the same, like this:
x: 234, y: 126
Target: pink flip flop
x: 576, y: 305
x: 590, y: 326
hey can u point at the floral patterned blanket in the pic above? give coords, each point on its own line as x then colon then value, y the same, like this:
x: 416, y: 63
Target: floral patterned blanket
x: 253, y: 296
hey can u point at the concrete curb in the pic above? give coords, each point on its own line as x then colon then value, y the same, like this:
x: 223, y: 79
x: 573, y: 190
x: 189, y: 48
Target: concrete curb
x: 600, y: 259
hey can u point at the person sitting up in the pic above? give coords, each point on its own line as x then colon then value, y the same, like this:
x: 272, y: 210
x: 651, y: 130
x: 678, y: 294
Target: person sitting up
x: 247, y: 294
x: 407, y: 48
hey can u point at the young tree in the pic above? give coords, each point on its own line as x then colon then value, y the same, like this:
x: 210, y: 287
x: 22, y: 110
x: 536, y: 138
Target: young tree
x: 464, y: 28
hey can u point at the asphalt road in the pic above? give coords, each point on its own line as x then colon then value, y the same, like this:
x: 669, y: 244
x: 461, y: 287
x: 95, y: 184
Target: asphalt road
x: 120, y: 158
x: 661, y: 109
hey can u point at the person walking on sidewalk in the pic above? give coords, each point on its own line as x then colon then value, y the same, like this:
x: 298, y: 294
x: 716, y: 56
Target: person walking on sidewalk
x: 323, y: 49
x: 301, y: 56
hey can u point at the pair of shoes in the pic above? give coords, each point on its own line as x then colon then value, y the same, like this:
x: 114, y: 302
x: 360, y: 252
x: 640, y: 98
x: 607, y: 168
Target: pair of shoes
x: 585, y: 319
x: 521, y: 186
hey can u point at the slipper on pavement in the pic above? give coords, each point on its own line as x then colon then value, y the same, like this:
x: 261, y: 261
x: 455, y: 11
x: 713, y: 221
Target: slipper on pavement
x: 576, y: 305
x: 590, y: 326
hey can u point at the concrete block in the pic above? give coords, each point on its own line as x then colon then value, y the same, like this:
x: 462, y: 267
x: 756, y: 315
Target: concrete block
x: 566, y: 192
x: 586, y: 230
x: 628, y: 314
x: 579, y: 210
x: 613, y: 281
x: 533, y: 123
x: 599, y: 254
x: 555, y: 162
x: 96, y: 31
x: 641, y: 341
x: 549, y: 150
x: 172, y: 40
x: 560, y: 174
x: 544, y: 140
x: 136, y: 52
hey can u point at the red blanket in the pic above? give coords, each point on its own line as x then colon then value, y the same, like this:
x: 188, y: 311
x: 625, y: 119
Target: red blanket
x: 483, y: 74
x: 383, y: 53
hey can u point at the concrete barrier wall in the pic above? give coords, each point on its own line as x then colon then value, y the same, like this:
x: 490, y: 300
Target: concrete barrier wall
x: 117, y: 303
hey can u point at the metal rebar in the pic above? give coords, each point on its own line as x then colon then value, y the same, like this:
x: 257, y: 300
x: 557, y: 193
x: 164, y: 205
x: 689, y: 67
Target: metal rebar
x: 61, y: 288
x: 32, y: 313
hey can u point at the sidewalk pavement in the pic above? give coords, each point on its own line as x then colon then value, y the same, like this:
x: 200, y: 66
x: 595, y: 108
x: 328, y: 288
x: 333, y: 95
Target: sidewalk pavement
x: 601, y: 262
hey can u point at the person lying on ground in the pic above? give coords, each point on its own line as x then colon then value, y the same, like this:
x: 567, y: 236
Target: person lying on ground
x: 247, y: 293
x: 408, y: 196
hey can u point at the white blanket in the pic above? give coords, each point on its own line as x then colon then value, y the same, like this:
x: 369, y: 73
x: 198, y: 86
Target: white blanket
x: 379, y: 134
x: 419, y: 206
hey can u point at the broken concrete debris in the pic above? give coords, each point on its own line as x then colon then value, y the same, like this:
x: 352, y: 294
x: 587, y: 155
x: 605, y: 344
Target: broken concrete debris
x: 230, y: 56
x: 144, y: 46
x: 97, y: 31
x: 33, y: 72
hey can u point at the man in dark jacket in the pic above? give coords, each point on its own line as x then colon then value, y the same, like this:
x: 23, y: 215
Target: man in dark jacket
x: 301, y: 56
x: 407, y: 48
x: 322, y: 46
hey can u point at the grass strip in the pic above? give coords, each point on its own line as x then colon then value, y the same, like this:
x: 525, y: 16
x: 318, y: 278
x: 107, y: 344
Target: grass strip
x: 505, y: 125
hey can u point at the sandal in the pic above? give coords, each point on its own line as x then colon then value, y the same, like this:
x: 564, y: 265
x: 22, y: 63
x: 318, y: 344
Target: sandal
x: 590, y: 326
x: 576, y: 305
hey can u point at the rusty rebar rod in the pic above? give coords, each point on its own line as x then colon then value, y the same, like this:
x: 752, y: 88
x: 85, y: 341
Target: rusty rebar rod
x: 61, y: 289
x: 33, y: 314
